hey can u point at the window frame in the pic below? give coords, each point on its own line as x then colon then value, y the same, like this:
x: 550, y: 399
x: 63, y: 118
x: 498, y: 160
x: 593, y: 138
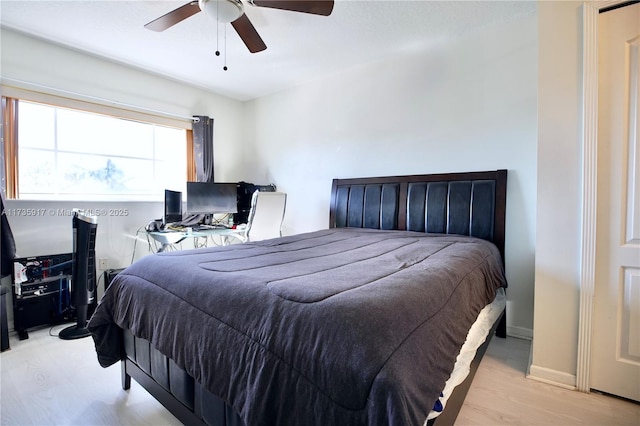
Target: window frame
x: 10, y: 115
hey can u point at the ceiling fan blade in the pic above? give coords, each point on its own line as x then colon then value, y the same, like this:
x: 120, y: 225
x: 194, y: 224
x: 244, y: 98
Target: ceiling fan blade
x: 248, y: 34
x: 316, y: 7
x: 170, y: 19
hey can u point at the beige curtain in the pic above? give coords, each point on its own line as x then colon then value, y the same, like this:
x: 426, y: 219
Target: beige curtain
x: 9, y: 152
x: 191, y: 159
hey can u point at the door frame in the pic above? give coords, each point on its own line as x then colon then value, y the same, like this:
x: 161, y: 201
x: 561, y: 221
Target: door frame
x: 590, y: 10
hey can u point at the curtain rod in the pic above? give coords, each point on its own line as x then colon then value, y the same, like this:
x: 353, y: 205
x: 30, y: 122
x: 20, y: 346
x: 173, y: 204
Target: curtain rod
x: 101, y: 100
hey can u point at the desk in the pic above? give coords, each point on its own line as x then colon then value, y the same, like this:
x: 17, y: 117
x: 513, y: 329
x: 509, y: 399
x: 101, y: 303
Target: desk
x: 168, y: 238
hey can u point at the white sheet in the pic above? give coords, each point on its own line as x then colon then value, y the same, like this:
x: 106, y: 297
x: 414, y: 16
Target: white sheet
x: 475, y: 338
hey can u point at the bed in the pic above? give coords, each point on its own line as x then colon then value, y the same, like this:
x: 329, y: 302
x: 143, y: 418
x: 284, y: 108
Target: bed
x: 362, y: 323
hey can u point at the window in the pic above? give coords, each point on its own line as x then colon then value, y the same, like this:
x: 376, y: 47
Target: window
x: 67, y: 153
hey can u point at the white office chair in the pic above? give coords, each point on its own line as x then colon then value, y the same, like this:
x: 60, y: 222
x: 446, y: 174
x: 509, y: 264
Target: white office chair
x: 266, y: 216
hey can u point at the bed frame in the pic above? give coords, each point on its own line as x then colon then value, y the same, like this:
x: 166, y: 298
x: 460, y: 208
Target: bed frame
x: 456, y: 203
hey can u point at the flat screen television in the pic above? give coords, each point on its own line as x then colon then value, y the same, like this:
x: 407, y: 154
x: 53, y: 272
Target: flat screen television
x: 212, y: 198
x: 172, y: 206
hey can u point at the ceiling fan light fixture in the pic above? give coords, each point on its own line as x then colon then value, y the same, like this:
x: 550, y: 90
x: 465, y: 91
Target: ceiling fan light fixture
x: 222, y: 10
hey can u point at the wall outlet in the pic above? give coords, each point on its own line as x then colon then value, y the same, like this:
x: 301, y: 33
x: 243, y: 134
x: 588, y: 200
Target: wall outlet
x: 102, y: 264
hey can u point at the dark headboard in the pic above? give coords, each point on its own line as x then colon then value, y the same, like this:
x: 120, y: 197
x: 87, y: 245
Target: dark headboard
x: 472, y: 203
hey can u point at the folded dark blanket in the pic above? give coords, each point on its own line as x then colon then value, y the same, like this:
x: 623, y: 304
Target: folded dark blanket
x: 336, y: 327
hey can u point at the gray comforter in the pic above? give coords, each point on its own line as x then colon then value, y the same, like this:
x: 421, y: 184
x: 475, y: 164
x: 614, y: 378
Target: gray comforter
x: 336, y: 327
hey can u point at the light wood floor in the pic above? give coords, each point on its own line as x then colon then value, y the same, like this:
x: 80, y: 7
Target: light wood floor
x: 501, y: 395
x: 48, y: 381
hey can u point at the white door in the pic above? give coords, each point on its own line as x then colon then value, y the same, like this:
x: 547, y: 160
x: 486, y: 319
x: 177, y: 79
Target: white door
x: 615, y: 363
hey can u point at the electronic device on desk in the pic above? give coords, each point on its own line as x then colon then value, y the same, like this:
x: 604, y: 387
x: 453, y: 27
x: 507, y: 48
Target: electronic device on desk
x: 245, y: 193
x: 83, y: 284
x: 172, y: 212
x: 209, y: 198
x: 172, y: 207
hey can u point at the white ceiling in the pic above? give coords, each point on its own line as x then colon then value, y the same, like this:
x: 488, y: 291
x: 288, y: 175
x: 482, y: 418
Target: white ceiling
x: 300, y: 47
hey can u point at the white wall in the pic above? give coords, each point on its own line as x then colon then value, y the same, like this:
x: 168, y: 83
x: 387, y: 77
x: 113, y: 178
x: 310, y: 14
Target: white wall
x: 557, y: 268
x: 468, y: 105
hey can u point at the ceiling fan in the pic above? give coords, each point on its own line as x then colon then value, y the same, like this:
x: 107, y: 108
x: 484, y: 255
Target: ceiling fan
x: 233, y: 11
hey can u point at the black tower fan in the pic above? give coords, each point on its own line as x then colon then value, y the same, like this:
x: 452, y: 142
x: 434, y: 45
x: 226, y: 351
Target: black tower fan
x: 83, y: 282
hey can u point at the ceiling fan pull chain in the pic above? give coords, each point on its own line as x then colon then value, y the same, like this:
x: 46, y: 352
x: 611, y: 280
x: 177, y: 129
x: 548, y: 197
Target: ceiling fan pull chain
x: 217, y: 38
x: 225, y: 48
x: 217, y: 34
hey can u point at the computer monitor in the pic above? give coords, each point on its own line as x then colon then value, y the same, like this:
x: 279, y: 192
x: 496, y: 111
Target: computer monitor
x: 212, y: 198
x: 83, y: 281
x: 172, y: 206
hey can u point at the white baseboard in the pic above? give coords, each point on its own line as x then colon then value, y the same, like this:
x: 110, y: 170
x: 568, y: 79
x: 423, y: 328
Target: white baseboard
x: 519, y: 332
x: 552, y: 377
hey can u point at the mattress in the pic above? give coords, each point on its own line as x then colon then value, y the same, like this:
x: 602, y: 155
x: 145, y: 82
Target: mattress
x: 342, y: 326
x: 477, y: 335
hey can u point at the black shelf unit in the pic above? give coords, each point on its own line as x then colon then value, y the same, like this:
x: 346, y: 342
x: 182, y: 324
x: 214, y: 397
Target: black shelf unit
x: 41, y: 296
